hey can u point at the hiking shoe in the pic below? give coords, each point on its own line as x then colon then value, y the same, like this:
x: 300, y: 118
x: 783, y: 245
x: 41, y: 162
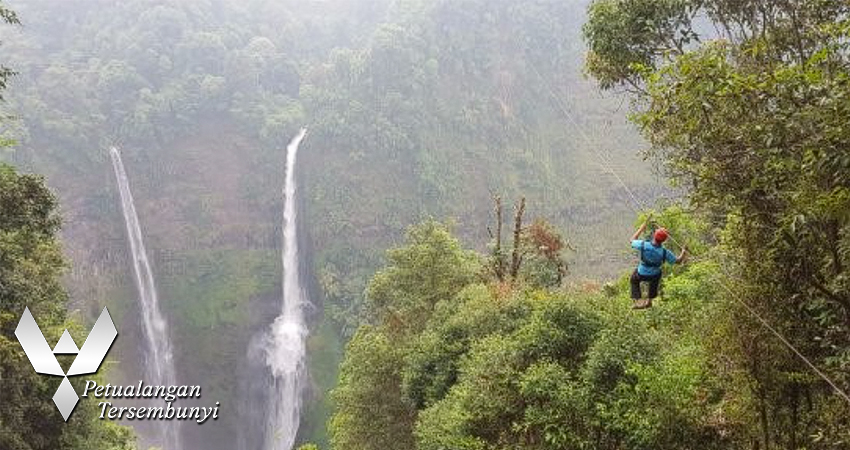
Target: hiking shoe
x: 641, y: 304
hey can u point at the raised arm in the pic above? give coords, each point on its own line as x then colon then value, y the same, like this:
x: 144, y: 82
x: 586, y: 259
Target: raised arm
x: 639, y: 231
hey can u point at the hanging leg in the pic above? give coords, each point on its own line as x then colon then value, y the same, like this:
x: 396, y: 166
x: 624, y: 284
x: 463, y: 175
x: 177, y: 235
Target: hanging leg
x: 635, y: 282
x: 654, y: 283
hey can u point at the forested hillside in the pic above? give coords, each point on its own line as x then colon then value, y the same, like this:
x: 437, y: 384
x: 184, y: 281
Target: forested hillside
x: 414, y: 109
x: 471, y: 362
x: 753, y: 123
x: 456, y: 102
x: 747, y: 349
x: 31, y: 266
x: 30, y: 276
x: 466, y: 196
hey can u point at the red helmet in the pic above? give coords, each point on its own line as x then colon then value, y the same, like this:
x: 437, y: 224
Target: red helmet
x: 660, y: 235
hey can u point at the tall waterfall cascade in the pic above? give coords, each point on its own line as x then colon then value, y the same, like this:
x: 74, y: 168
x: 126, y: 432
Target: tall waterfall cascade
x: 159, y: 359
x: 285, y: 345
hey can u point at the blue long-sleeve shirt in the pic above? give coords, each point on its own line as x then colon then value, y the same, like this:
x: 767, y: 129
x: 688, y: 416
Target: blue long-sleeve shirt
x: 654, y: 255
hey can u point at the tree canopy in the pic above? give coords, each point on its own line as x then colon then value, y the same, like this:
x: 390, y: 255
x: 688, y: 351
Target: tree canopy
x: 31, y: 264
x: 491, y: 365
x: 748, y: 114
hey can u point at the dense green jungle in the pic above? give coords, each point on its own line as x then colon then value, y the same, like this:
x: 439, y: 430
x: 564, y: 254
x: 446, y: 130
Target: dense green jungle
x: 470, y: 176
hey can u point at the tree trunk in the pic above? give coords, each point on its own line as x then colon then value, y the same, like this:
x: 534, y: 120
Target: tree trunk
x: 516, y: 257
x: 499, y: 263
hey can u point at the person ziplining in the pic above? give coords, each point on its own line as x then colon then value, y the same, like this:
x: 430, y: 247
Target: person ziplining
x: 653, y: 255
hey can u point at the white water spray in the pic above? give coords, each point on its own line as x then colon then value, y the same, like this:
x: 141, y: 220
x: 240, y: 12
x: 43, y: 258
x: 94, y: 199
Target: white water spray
x: 159, y: 365
x: 285, y: 346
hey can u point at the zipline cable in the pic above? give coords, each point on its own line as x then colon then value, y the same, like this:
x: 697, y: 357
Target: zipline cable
x: 602, y: 161
x: 640, y: 205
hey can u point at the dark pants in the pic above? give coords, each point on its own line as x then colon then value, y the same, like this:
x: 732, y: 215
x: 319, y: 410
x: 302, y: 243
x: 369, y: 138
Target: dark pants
x: 653, y: 280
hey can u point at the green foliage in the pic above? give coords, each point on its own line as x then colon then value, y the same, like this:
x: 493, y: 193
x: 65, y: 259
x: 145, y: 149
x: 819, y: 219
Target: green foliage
x: 751, y: 124
x: 31, y: 258
x: 450, y: 98
x: 485, y: 408
x: 431, y: 365
x: 212, y: 308
x: 325, y: 351
x: 155, y: 73
x: 415, y: 108
x: 430, y: 268
x: 501, y: 368
x: 555, y: 382
x: 370, y: 413
x: 626, y: 37
x: 31, y: 266
x: 687, y: 229
x: 8, y: 16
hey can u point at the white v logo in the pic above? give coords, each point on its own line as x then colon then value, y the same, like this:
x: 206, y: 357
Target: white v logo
x: 44, y: 360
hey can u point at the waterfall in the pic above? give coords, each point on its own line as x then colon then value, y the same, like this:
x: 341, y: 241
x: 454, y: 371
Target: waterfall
x: 285, y: 344
x: 159, y: 361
